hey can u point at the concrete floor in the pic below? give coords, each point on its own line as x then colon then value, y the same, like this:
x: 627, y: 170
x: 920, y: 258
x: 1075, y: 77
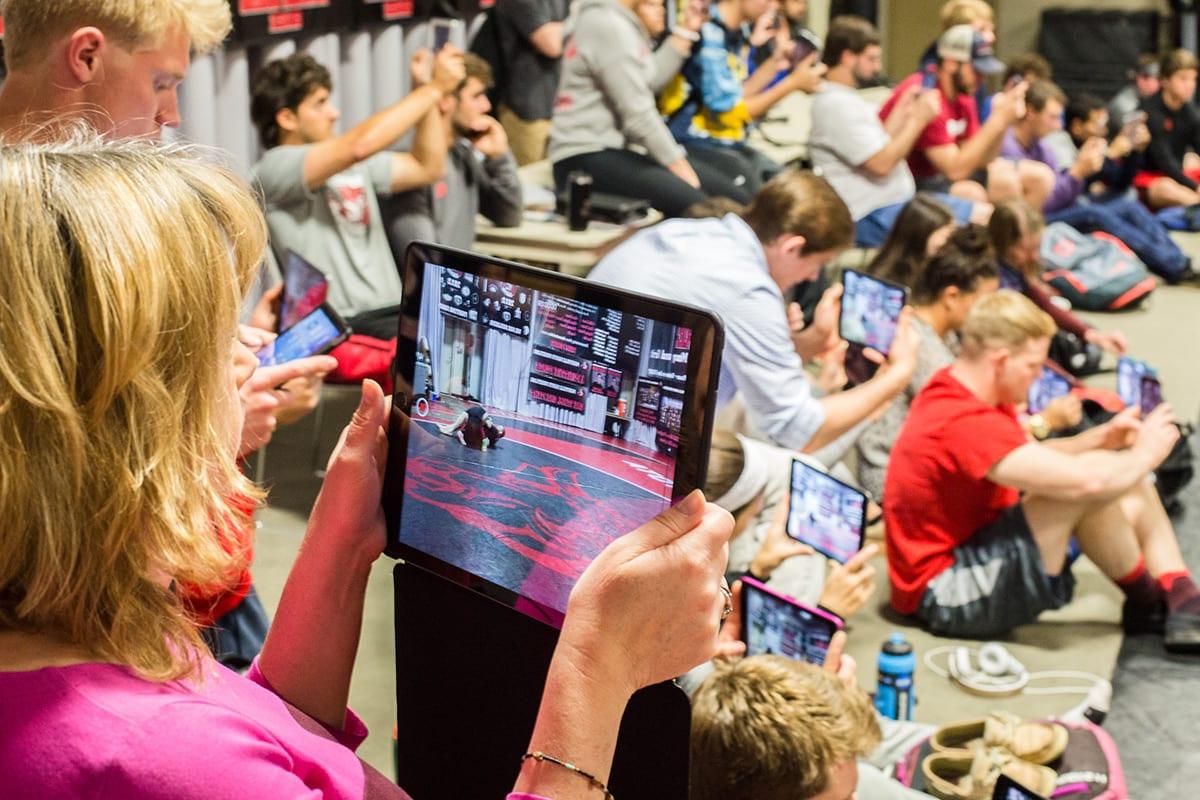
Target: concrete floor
x: 1166, y: 333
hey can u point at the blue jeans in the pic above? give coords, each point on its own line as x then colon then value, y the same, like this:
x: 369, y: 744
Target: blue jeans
x: 1133, y: 224
x: 871, y: 230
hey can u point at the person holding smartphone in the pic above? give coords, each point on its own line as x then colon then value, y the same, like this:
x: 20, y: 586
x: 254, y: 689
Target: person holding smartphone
x: 865, y: 160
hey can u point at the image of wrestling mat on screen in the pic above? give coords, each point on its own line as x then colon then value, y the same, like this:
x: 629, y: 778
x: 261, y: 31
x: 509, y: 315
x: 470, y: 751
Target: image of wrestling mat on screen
x: 542, y: 426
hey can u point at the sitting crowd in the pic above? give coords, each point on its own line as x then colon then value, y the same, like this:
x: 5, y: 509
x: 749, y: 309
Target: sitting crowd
x: 132, y: 391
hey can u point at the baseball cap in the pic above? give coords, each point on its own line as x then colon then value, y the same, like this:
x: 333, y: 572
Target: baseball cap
x: 964, y: 43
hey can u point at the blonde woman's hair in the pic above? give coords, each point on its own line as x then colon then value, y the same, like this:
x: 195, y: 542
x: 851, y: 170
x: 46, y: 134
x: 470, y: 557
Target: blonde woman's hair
x: 122, y: 266
x: 965, y: 12
x: 772, y: 728
x: 31, y: 26
x: 1004, y: 319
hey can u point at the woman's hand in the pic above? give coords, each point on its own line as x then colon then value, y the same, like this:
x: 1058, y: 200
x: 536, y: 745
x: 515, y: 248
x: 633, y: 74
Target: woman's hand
x: 1112, y: 341
x: 649, y: 607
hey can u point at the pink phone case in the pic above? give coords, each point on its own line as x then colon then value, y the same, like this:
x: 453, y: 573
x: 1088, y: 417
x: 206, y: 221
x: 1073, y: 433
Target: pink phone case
x: 751, y: 585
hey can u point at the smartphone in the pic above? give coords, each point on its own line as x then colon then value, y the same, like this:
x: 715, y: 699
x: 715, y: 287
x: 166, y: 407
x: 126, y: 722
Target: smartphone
x: 827, y: 515
x: 803, y: 46
x: 870, y: 310
x: 442, y: 33
x: 1129, y: 379
x: 776, y: 623
x: 1008, y: 789
x: 859, y: 368
x: 1051, y: 384
x: 1151, y: 394
x: 319, y: 332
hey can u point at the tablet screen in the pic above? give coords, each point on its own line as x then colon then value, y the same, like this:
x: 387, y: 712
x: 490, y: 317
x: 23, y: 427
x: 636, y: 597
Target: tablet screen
x: 514, y: 475
x: 1129, y: 379
x: 825, y: 513
x: 870, y: 310
x: 773, y: 624
x: 1048, y: 386
x: 304, y: 289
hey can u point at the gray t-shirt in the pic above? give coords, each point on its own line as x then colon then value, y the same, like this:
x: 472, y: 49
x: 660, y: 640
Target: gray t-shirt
x: 336, y: 227
x: 875, y: 444
x: 846, y: 132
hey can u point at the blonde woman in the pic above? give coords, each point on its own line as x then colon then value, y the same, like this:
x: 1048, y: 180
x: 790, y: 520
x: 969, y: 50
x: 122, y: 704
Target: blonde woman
x: 120, y: 420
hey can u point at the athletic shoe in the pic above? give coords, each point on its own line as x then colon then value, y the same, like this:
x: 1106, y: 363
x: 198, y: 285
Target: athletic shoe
x: 1182, y: 634
x: 1141, y: 618
x: 966, y: 775
x: 1038, y: 742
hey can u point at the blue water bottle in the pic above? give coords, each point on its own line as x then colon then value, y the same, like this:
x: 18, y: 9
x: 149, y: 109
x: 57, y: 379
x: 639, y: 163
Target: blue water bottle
x: 894, y: 696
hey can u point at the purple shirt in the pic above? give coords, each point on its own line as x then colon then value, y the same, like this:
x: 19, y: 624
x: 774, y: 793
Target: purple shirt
x: 100, y: 731
x: 1067, y: 187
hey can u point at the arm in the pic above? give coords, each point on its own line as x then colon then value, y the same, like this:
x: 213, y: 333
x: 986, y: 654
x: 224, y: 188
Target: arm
x: 1065, y: 320
x: 1091, y: 475
x: 326, y: 159
x: 529, y: 18
x: 646, y: 610
x: 960, y: 162
x: 806, y: 77
x: 500, y: 198
x: 547, y: 39
x: 611, y: 54
x: 907, y: 129
x: 668, y: 60
x: 427, y: 161
x: 309, y: 653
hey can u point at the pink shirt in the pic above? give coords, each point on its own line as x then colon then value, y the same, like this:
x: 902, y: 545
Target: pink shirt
x: 99, y: 731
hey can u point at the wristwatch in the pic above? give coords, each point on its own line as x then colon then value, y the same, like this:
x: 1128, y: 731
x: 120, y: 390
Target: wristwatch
x: 1039, y: 427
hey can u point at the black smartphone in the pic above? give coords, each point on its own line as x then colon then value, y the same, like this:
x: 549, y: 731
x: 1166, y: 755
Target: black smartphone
x: 859, y: 368
x: 1151, y: 394
x: 929, y: 78
x: 441, y: 33
x: 1008, y: 789
x: 824, y: 513
x: 319, y: 332
x: 870, y: 310
x: 1051, y: 384
x: 776, y: 623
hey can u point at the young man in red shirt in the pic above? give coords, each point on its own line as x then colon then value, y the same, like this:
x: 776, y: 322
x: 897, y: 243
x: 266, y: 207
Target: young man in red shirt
x: 955, y: 153
x: 979, y: 517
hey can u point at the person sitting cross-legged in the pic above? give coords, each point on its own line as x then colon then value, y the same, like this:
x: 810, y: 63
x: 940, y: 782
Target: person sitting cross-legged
x: 979, y: 517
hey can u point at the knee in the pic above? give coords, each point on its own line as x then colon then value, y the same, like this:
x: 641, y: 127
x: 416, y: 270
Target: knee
x: 969, y: 190
x: 1037, y: 179
x: 1003, y: 181
x: 981, y: 213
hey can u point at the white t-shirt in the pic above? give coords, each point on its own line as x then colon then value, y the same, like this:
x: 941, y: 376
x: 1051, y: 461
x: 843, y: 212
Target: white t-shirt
x: 846, y: 132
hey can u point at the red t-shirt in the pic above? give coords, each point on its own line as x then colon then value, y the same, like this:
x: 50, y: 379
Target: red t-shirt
x: 937, y: 489
x: 955, y: 123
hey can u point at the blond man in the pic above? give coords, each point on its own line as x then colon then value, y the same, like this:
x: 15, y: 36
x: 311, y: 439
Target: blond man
x: 979, y: 517
x: 116, y: 63
x: 773, y: 728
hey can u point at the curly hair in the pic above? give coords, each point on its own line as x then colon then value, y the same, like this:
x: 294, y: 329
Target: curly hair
x: 122, y: 265
x: 284, y: 83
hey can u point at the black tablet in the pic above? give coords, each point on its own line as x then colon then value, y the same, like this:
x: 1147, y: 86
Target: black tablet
x: 503, y: 475
x: 870, y: 310
x: 827, y: 515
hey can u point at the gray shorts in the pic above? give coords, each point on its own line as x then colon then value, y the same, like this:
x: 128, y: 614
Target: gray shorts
x: 996, y: 583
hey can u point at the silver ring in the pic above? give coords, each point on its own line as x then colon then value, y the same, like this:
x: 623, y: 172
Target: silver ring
x: 728, y: 593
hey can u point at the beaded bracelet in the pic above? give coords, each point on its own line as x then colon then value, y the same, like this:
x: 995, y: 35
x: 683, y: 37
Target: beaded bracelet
x: 538, y: 755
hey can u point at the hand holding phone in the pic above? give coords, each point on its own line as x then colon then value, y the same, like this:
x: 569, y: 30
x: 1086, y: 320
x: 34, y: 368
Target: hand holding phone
x: 871, y: 310
x: 775, y: 623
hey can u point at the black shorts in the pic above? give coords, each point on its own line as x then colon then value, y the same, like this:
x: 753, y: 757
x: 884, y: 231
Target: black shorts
x: 996, y: 583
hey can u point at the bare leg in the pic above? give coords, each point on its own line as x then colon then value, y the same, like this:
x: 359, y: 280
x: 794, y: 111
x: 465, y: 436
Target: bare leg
x: 1102, y: 528
x: 1037, y: 181
x: 981, y: 213
x: 969, y: 190
x: 1165, y: 192
x: 1153, y: 528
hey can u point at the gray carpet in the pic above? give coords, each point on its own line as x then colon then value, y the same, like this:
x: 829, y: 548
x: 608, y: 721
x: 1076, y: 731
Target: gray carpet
x: 1156, y: 696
